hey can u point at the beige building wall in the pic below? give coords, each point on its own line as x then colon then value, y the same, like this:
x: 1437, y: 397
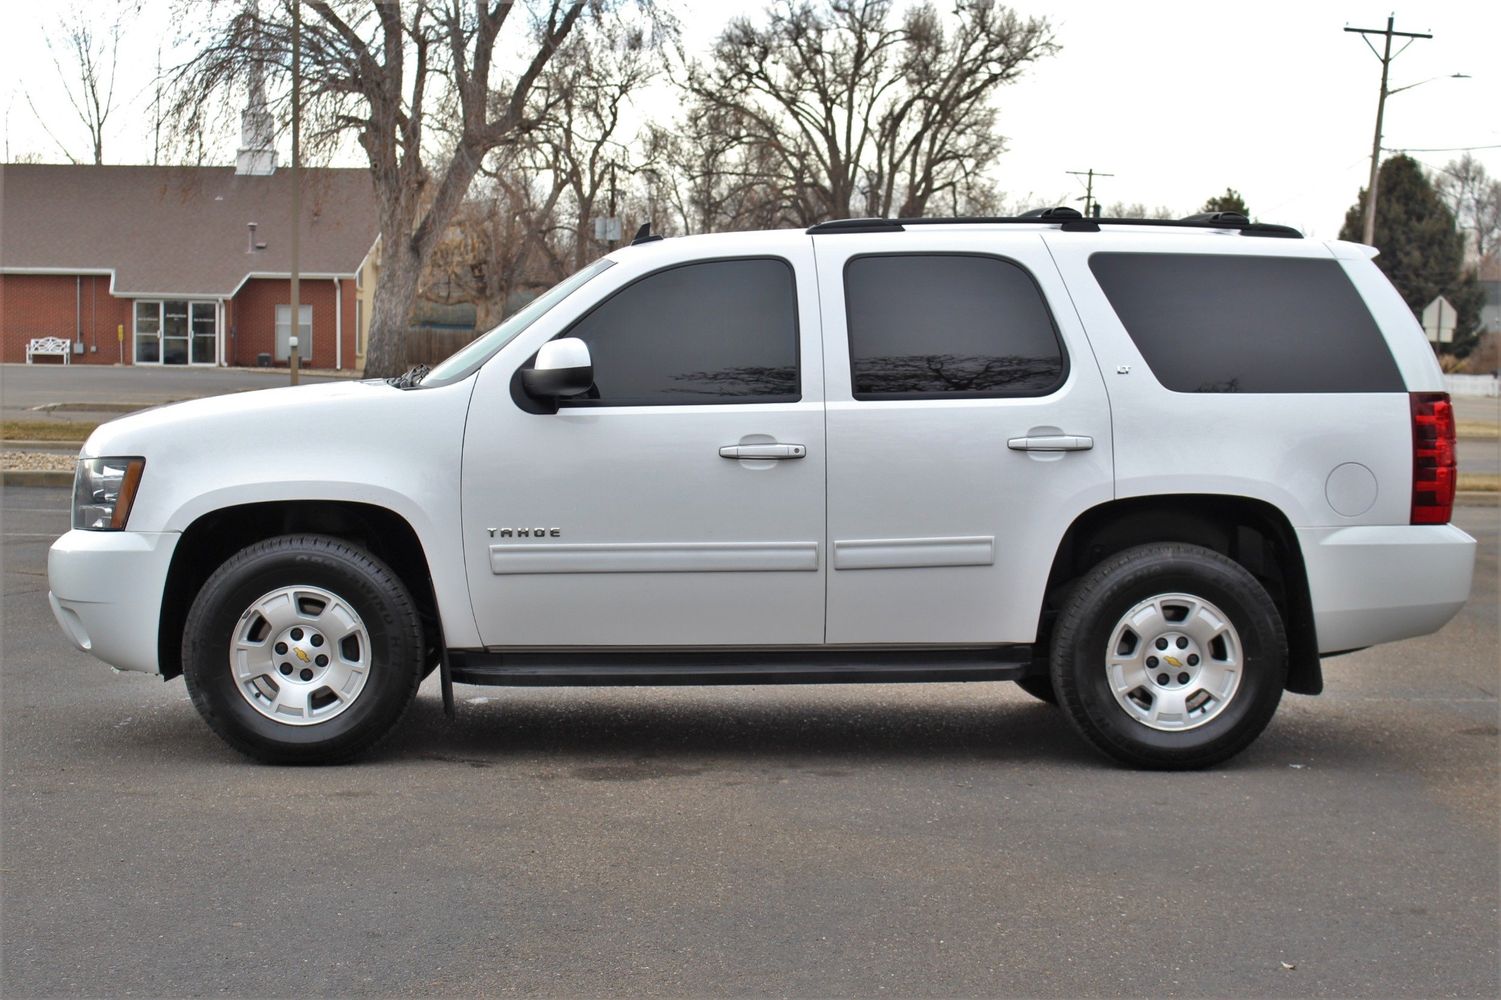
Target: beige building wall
x: 364, y: 302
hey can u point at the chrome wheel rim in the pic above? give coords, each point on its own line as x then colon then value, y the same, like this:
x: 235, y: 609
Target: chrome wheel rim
x: 300, y: 655
x: 1174, y: 662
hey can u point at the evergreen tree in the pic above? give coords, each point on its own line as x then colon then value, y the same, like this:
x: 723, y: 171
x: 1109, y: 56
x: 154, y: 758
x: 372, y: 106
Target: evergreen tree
x: 1421, y: 250
x: 1230, y: 201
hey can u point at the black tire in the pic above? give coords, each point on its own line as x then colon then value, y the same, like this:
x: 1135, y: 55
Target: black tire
x: 1095, y: 615
x: 389, y: 644
x: 1039, y: 687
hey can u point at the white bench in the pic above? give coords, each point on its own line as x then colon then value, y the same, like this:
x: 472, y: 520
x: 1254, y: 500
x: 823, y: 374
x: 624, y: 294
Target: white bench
x: 49, y: 345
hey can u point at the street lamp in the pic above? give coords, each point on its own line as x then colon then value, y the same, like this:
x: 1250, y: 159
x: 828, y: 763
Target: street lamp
x: 1370, y: 205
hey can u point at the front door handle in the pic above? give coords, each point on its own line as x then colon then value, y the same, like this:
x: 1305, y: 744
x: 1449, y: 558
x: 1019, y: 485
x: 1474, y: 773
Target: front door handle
x: 1052, y: 442
x: 754, y: 452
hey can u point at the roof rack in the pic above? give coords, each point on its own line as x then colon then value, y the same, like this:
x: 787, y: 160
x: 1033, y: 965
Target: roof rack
x: 1069, y: 221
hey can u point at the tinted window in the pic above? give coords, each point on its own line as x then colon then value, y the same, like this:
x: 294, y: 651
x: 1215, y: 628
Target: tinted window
x: 1209, y: 323
x: 721, y: 331
x: 943, y: 325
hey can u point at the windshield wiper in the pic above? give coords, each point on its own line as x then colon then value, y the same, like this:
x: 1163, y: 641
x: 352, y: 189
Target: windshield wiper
x: 409, y: 378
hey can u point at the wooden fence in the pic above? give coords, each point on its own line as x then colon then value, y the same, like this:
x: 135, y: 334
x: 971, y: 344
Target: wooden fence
x: 429, y: 345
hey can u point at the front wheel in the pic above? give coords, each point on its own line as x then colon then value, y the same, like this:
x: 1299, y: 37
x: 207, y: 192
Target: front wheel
x: 1169, y: 656
x: 302, y: 649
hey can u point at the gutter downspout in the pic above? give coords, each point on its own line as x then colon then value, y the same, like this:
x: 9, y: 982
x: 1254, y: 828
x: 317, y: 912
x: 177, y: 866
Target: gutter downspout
x: 338, y: 326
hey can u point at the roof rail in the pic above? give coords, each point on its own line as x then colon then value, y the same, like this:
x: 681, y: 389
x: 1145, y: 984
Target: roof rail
x: 857, y: 226
x: 1068, y: 219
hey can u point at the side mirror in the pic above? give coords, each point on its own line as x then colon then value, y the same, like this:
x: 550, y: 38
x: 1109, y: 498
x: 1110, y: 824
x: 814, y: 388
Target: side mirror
x: 562, y: 368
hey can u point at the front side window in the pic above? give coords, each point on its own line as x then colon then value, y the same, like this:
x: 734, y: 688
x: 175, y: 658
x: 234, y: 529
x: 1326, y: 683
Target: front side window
x: 938, y: 326
x: 721, y: 331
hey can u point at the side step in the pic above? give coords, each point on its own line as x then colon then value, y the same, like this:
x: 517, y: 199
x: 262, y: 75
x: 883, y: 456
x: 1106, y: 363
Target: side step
x: 799, y: 666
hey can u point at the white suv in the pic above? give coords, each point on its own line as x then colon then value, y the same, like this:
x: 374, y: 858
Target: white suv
x: 1152, y: 472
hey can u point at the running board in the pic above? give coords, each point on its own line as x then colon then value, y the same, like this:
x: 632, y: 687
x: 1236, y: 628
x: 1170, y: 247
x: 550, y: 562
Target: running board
x: 800, y: 666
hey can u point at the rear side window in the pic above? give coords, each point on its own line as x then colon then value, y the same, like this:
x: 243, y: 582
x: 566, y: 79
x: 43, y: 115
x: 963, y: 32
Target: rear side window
x: 1212, y: 323
x: 722, y: 331
x: 937, y: 326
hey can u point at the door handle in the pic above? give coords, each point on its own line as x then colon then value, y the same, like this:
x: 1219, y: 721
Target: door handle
x: 754, y: 452
x: 1052, y: 442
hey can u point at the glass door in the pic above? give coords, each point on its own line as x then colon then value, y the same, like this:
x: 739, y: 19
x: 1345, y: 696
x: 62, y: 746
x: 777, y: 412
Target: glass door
x: 174, y: 333
x: 148, y: 333
x: 204, y: 329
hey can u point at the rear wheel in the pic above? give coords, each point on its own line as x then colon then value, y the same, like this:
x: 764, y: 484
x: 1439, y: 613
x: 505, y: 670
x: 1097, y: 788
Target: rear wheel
x: 302, y: 649
x: 1169, y: 656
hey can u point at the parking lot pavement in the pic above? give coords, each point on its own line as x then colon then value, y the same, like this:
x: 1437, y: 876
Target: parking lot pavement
x: 943, y: 839
x: 25, y: 387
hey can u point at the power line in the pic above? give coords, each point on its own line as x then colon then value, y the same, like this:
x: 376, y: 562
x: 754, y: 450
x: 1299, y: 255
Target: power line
x: 1438, y: 149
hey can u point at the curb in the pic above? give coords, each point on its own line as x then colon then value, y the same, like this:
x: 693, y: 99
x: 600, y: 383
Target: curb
x: 58, y: 446
x: 33, y: 477
x: 1476, y: 498
x: 85, y: 407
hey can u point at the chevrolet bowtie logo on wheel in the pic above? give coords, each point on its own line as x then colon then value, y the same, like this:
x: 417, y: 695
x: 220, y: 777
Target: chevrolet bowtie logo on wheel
x: 302, y: 654
x: 1172, y: 660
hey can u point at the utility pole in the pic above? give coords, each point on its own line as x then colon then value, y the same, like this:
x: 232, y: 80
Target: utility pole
x: 610, y: 226
x: 293, y: 335
x: 1386, y: 56
x: 1089, y: 176
x: 293, y: 338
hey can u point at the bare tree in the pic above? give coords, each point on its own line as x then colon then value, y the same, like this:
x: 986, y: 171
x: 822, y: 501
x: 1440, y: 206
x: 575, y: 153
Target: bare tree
x: 1138, y: 210
x: 582, y: 139
x: 1475, y: 198
x: 506, y: 238
x: 85, y: 60
x: 529, y: 222
x: 419, y: 87
x: 859, y: 112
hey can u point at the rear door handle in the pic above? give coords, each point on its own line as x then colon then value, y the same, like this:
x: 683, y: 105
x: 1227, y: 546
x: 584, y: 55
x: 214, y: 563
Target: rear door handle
x: 762, y: 451
x: 1052, y: 442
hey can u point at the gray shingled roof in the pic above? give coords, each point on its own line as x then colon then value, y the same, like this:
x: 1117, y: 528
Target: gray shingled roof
x: 180, y: 230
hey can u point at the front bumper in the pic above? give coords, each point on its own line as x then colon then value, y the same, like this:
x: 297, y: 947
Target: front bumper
x: 106, y: 592
x: 1375, y: 584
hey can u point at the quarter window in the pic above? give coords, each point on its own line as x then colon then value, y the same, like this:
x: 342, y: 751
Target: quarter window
x: 1222, y: 323
x: 722, y: 331
x: 936, y: 326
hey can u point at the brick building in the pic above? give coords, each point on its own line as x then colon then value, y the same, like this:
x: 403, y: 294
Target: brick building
x: 185, y: 265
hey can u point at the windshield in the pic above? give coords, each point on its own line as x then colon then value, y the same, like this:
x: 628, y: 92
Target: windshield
x: 463, y: 362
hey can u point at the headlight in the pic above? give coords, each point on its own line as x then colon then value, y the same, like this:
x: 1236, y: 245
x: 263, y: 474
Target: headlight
x: 103, y: 490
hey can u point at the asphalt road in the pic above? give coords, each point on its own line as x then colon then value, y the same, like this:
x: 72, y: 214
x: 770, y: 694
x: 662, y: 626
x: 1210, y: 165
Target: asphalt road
x: 949, y: 840
x: 24, y: 387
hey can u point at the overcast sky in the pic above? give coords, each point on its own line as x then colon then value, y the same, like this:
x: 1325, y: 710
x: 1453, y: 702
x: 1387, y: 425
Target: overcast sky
x: 1177, y: 100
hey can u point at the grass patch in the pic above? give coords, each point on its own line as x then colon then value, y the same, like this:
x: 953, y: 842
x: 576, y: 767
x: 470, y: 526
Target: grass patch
x: 1486, y: 482
x: 46, y: 430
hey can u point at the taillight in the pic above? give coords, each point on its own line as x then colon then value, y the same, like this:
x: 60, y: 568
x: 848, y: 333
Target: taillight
x: 1435, y: 473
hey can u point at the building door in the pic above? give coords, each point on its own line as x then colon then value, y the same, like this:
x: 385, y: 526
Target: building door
x: 204, y: 328
x: 148, y: 333
x: 174, y: 333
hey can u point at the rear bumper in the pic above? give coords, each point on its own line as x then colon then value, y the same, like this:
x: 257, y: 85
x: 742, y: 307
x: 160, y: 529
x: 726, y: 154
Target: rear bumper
x: 106, y: 592
x: 1375, y: 584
